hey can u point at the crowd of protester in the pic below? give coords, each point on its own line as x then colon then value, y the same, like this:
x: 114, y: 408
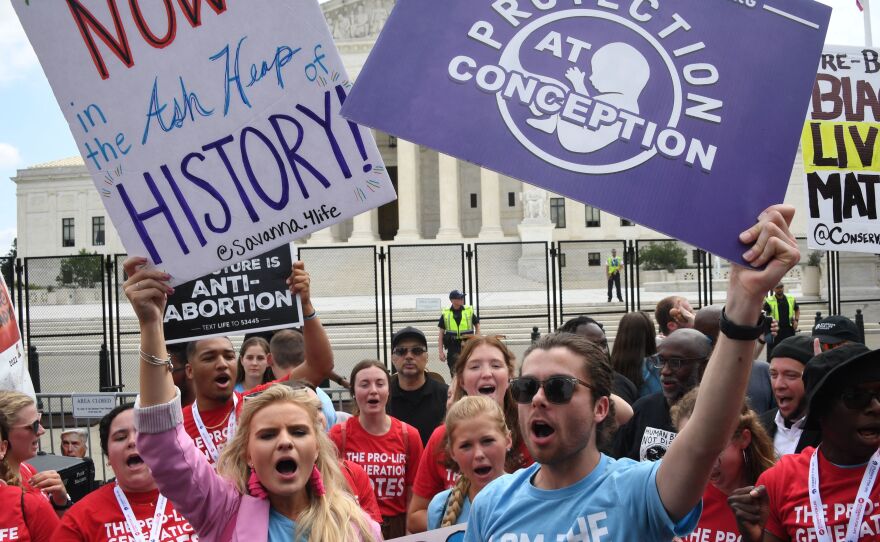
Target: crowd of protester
x: 675, y: 433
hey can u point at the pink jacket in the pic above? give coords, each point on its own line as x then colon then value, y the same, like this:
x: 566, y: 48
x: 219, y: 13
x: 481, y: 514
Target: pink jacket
x: 210, y: 503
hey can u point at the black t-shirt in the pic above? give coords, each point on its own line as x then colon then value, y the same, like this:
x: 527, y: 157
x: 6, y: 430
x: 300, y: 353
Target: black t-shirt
x: 624, y: 388
x: 424, y: 408
x: 647, y: 436
x: 785, y: 327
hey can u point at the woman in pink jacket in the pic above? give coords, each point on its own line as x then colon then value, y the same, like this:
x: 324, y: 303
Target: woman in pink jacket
x: 277, y: 478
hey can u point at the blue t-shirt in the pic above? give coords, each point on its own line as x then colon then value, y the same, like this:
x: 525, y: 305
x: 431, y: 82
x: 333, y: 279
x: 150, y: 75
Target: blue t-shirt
x: 437, y: 507
x: 617, y: 501
x: 281, y: 527
x: 651, y: 379
x: 239, y: 388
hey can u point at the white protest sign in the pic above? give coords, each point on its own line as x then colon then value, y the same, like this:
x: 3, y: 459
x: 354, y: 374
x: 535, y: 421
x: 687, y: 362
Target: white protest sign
x: 447, y: 534
x: 14, y: 373
x: 210, y: 127
x: 842, y: 152
x: 92, y: 406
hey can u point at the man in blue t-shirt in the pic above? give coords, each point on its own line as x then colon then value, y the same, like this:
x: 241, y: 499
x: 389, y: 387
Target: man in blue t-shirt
x: 573, y: 492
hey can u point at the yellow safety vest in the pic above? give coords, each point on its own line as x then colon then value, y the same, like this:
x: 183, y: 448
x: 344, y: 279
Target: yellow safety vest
x: 465, y: 327
x: 613, y: 264
x: 774, y: 307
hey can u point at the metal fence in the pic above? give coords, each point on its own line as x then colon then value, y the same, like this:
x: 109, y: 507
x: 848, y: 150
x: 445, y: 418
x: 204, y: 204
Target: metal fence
x: 80, y: 332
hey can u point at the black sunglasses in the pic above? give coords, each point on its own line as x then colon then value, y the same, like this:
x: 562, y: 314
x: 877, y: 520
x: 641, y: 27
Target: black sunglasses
x: 35, y: 425
x: 557, y: 389
x: 401, y: 351
x: 857, y: 399
x: 658, y: 362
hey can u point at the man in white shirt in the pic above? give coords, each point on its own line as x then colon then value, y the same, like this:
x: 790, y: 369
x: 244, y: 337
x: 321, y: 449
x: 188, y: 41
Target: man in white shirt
x: 785, y: 424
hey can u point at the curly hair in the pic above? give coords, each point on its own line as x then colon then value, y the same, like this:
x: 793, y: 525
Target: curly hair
x: 759, y: 455
x: 330, y: 517
x: 466, y: 409
x: 597, y: 370
x: 515, y: 459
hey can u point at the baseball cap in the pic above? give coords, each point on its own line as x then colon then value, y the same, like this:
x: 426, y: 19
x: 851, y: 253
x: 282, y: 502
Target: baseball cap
x: 834, y: 368
x: 836, y: 329
x: 798, y: 347
x: 456, y: 294
x: 408, y: 332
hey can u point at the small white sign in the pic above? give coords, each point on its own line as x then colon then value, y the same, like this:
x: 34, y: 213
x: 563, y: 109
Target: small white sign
x: 427, y: 304
x: 92, y: 406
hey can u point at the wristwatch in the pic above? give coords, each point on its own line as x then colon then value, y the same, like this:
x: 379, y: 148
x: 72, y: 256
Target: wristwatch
x: 64, y: 506
x: 741, y: 333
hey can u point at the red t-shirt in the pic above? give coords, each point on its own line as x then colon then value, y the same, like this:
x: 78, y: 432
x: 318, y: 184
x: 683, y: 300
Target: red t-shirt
x: 216, y: 423
x: 434, y: 476
x: 26, y: 472
x: 717, y: 522
x: 388, y: 461
x: 35, y: 522
x: 791, y: 517
x: 361, y: 488
x: 98, y: 518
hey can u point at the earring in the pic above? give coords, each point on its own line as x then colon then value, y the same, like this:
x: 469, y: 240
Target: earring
x: 745, y: 457
x: 317, y: 482
x: 255, y: 486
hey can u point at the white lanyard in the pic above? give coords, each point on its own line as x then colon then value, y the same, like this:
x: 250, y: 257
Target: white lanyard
x: 854, y: 527
x: 206, y: 437
x: 132, y: 522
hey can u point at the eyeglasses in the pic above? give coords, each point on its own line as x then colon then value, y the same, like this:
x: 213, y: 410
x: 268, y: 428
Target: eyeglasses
x: 788, y: 376
x: 35, y: 425
x: 557, y: 389
x: 857, y: 399
x: 401, y: 351
x: 658, y: 362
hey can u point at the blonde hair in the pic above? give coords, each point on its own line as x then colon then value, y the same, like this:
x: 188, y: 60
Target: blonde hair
x: 330, y: 517
x: 462, y: 410
x: 758, y: 456
x: 515, y: 459
x: 11, y: 404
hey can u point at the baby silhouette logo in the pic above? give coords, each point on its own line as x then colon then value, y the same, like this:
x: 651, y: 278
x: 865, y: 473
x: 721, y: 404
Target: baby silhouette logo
x: 593, y: 92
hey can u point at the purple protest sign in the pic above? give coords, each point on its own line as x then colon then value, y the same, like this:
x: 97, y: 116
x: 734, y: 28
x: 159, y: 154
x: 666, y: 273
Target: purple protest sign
x: 682, y: 116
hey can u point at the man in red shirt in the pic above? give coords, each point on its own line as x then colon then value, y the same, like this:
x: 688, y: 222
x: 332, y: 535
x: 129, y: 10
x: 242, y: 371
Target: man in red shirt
x: 211, y: 366
x: 837, y: 479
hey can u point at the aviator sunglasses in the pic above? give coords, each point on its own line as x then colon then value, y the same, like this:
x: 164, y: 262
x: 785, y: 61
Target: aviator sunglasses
x: 557, y: 389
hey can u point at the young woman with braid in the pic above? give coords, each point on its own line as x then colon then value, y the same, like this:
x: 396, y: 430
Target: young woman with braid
x: 478, y: 440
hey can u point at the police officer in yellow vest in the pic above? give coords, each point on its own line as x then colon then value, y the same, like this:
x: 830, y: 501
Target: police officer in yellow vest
x: 785, y: 312
x: 456, y: 323
x: 612, y: 270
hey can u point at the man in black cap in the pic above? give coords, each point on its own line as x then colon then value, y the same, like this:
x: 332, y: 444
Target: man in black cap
x: 834, y: 331
x: 415, y: 399
x: 785, y: 424
x: 837, y: 479
x: 457, y: 323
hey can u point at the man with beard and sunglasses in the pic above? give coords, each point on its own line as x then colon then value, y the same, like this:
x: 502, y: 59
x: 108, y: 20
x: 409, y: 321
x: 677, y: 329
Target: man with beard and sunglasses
x: 573, y: 492
x: 681, y: 359
x: 838, y: 477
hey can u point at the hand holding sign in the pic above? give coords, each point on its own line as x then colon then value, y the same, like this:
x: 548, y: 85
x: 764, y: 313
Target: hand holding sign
x: 147, y: 289
x: 299, y: 282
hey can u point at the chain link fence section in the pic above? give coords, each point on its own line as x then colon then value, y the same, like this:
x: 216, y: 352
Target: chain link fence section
x: 420, y: 278
x: 668, y: 267
x: 344, y: 291
x: 513, y: 293
x: 66, y: 320
x: 583, y: 282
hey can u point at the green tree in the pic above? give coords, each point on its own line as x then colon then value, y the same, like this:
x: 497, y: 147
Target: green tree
x: 83, y: 270
x: 663, y: 255
x: 7, y: 266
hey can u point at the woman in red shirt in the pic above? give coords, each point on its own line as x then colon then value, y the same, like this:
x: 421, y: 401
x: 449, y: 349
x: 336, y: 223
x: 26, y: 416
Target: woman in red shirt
x: 24, y: 517
x: 483, y: 368
x: 101, y: 516
x: 25, y: 431
x: 749, y: 453
x: 387, y: 448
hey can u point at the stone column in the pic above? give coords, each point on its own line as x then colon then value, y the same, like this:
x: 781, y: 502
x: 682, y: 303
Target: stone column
x: 322, y: 237
x: 407, y: 191
x: 363, y: 231
x: 449, y: 199
x: 490, y: 192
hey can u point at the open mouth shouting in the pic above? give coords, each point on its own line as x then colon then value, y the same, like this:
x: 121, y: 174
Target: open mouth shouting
x: 870, y: 433
x: 487, y: 389
x: 134, y: 462
x: 541, y: 432
x: 286, y: 468
x: 223, y: 381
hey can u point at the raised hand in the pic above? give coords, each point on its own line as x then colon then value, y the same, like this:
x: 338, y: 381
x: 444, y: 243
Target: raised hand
x: 146, y: 289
